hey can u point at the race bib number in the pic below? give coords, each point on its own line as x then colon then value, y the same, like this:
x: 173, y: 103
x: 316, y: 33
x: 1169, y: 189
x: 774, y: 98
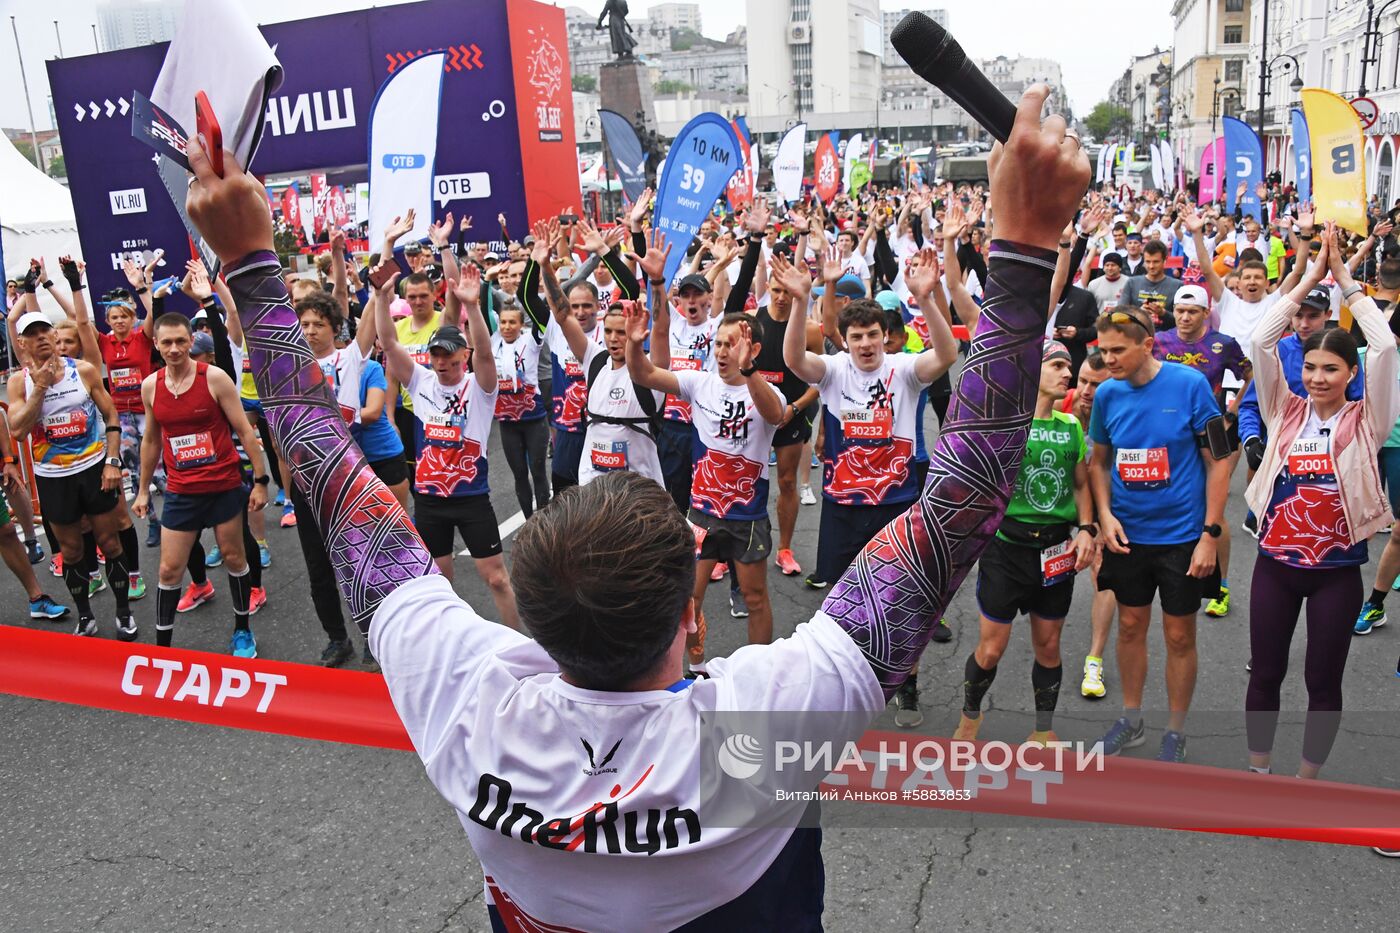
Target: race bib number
x: 126, y: 379
x: 247, y: 364
x: 192, y: 450
x: 773, y: 379
x: 1144, y: 467
x: 508, y: 384
x: 421, y: 356
x: 442, y: 430
x: 607, y: 455
x: 685, y: 364
x: 66, y: 425
x: 1311, y: 457
x: 867, y: 424
x: 700, y: 534
x: 573, y: 368
x: 1057, y: 563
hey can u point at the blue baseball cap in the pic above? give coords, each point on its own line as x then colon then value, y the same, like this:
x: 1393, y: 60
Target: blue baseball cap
x: 849, y: 285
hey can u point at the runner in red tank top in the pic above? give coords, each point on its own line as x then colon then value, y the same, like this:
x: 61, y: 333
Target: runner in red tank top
x: 192, y: 412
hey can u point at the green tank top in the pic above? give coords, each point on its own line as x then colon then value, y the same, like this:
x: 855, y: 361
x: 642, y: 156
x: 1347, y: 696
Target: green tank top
x: 1044, y: 491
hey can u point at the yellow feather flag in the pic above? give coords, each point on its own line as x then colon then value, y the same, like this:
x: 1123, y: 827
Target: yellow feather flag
x: 1338, y: 166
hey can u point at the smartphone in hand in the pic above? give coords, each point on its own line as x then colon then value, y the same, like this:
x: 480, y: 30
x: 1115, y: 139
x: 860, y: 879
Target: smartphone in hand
x: 211, y: 138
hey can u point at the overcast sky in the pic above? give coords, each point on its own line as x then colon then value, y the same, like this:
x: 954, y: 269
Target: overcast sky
x: 1093, y: 43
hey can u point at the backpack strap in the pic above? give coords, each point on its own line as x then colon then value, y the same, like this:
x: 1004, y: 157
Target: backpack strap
x: 649, y: 425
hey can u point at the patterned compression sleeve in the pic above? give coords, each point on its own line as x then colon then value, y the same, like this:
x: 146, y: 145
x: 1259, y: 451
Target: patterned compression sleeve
x: 373, y: 546
x: 898, y: 587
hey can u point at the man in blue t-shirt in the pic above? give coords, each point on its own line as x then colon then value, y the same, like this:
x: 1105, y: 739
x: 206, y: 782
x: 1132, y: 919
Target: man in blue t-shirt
x: 1160, y: 497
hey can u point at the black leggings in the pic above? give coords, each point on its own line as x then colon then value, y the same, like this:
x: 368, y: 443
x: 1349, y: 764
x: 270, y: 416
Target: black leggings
x: 1276, y: 596
x: 265, y: 432
x: 199, y: 573
x: 525, y: 443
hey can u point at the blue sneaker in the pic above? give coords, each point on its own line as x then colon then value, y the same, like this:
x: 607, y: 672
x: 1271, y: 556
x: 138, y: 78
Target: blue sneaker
x: 264, y: 556
x: 1173, y: 747
x: 214, y: 558
x: 45, y: 608
x: 1372, y: 616
x: 281, y: 499
x: 243, y: 645
x: 35, y: 550
x: 1123, y: 734
x: 772, y: 458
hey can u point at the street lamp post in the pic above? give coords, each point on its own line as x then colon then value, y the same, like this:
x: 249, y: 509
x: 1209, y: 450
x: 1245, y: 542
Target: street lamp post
x: 1220, y: 95
x: 1370, y: 40
x: 1266, y: 65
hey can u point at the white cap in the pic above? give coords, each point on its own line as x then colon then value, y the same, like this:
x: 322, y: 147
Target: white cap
x: 200, y: 315
x: 29, y: 319
x: 1191, y: 295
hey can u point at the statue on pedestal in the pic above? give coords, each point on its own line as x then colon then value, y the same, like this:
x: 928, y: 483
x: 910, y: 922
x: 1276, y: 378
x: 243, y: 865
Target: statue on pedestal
x: 619, y: 31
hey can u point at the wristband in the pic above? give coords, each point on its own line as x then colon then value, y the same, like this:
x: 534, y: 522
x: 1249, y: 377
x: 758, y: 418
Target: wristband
x: 1348, y: 293
x: 208, y: 302
x: 262, y: 480
x: 9, y: 460
x: 47, y: 283
x: 114, y: 429
x: 1091, y: 528
x: 142, y: 290
x: 746, y: 373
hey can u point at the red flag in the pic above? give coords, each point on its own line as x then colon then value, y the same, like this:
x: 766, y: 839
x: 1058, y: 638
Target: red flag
x: 318, y: 202
x: 740, y: 190
x: 291, y: 206
x: 336, y: 210
x: 828, y: 171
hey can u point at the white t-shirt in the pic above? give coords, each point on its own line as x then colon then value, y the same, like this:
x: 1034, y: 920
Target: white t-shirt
x: 1238, y: 318
x: 342, y: 369
x: 608, y: 447
x: 517, y: 377
x: 498, y: 729
x: 454, y: 423
x: 870, y: 428
x: 857, y: 266
x: 692, y: 350
x: 731, y: 477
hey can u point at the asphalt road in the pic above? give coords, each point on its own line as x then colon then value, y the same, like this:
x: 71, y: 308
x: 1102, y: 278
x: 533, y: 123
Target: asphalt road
x: 114, y: 822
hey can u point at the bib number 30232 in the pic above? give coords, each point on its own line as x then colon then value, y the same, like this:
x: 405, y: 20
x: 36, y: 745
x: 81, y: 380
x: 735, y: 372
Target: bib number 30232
x: 1144, y: 467
x: 867, y: 424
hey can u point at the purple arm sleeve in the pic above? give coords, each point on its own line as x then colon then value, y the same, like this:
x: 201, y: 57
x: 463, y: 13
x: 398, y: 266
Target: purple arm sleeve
x: 900, y: 584
x: 373, y: 546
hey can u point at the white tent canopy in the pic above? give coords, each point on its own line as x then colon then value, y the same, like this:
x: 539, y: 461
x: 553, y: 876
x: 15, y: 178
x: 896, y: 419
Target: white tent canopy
x: 36, y: 215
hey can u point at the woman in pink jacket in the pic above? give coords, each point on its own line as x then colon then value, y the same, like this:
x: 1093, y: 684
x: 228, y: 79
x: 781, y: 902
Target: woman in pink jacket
x: 1318, y: 492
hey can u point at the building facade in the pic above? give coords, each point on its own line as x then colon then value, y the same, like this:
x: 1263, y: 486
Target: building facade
x: 125, y: 24
x: 1210, y: 46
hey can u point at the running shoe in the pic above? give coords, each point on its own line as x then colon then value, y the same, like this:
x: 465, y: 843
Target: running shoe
x: 367, y: 661
x: 195, y: 596
x: 717, y: 574
x: 1042, y: 738
x: 1251, y: 525
x: 281, y: 499
x: 214, y: 558
x: 264, y: 555
x: 87, y: 628
x: 813, y: 583
x: 56, y: 565
x: 1396, y: 585
x: 337, y: 652
x: 1386, y: 853
x: 941, y: 633
x: 243, y: 644
x: 695, y: 653
x: 907, y: 714
x: 1123, y: 734
x: 96, y: 584
x: 35, y: 550
x: 1218, y: 608
x: 289, y: 517
x: 101, y: 558
x: 153, y: 535
x: 126, y: 627
x: 1249, y: 665
x: 816, y: 461
x: 808, y: 497
x: 1093, y: 687
x: 1371, y: 617
x: 41, y: 607
x: 787, y: 563
x: 967, y: 728
x: 1173, y: 747
x: 257, y: 598
x: 135, y: 586
x: 738, y: 606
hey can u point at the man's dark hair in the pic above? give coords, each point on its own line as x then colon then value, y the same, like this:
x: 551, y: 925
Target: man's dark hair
x: 862, y: 312
x: 850, y: 233
x: 1335, y: 340
x: 325, y: 306
x: 894, y: 321
x: 1246, y: 264
x: 601, y: 577
x: 417, y: 278
x: 174, y: 319
x: 1094, y: 360
x: 1155, y: 248
x: 1388, y: 273
x: 1120, y: 226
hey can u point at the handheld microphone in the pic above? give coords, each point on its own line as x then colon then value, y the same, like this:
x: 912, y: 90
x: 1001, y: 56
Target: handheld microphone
x: 934, y: 55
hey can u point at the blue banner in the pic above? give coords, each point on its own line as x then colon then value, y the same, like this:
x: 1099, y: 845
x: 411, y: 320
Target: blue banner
x: 629, y: 160
x: 1302, y: 156
x: 698, y: 167
x: 1244, y: 162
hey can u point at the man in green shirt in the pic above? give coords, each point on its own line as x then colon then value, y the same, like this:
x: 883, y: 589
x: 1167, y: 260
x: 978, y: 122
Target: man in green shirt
x: 1030, y: 564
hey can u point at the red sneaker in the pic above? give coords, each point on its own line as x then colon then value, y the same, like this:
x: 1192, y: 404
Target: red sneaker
x: 256, y: 600
x: 195, y: 596
x: 787, y: 563
x: 56, y: 565
x: 721, y: 568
